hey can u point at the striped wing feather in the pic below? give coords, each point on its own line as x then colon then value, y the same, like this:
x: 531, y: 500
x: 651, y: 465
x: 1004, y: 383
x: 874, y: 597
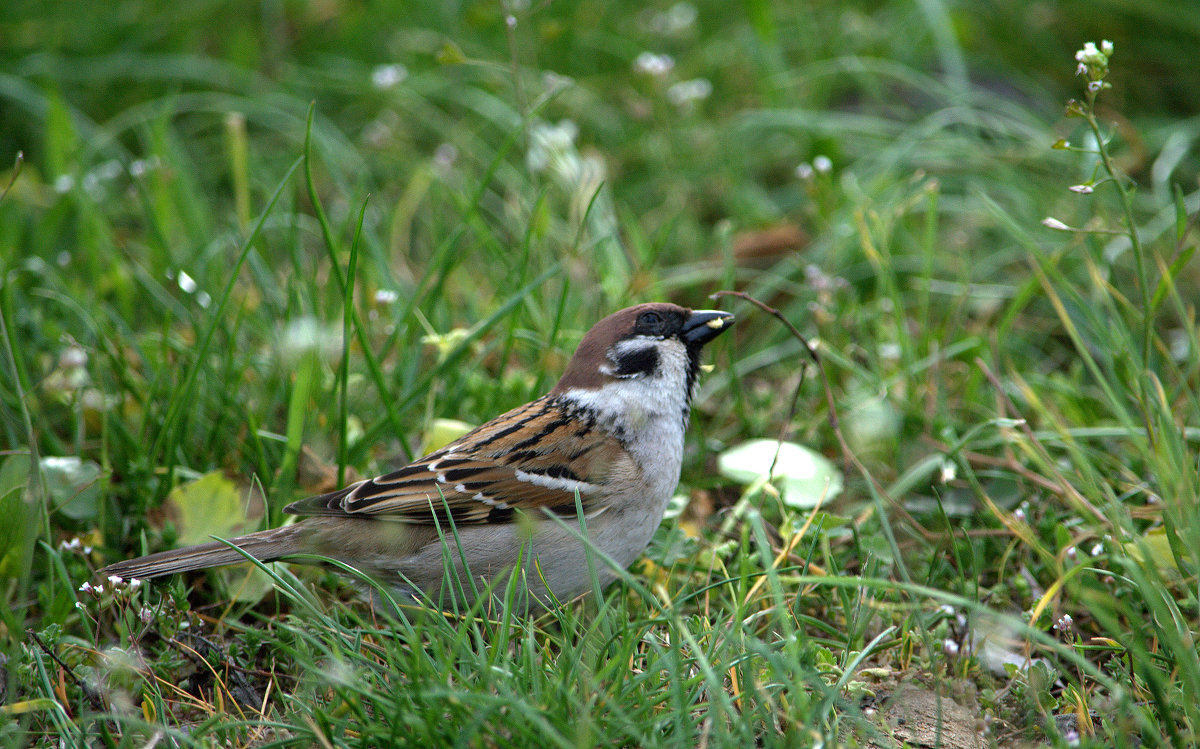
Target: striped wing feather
x: 532, y: 458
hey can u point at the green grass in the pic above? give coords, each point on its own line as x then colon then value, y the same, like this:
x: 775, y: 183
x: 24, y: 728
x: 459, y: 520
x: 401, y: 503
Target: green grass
x: 228, y: 250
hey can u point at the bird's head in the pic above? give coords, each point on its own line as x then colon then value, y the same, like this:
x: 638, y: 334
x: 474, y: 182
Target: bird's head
x: 650, y: 344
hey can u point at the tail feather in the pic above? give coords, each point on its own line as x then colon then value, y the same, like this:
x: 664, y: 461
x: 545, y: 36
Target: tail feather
x: 265, y: 546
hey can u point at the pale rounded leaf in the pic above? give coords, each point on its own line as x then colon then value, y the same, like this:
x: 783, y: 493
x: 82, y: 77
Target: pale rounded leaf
x: 804, y: 476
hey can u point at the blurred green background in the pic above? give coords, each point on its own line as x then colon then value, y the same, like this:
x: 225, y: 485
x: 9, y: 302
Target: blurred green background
x: 789, y: 81
x: 877, y: 170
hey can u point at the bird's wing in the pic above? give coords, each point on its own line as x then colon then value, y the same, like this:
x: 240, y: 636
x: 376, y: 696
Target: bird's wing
x: 533, y: 458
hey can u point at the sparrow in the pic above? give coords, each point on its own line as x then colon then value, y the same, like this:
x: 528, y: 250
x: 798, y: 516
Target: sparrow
x: 601, y: 451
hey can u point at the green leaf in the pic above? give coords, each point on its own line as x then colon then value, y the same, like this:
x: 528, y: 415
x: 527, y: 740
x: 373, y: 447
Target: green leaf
x: 73, y: 485
x: 209, y: 506
x: 213, y: 506
x: 61, y: 140
x: 14, y: 531
x: 872, y: 426
x: 245, y: 583
x: 1181, y: 214
x: 805, y: 476
x: 1154, y: 549
x: 450, y: 54
x: 442, y: 432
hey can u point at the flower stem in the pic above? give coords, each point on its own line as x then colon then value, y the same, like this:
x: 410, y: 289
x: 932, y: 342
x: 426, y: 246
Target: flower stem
x: 1130, y: 226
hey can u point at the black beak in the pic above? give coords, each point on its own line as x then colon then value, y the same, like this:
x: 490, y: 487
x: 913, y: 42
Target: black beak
x: 704, y: 325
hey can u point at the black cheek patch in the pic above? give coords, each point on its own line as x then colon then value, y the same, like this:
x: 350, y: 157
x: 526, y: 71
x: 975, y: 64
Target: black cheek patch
x: 638, y: 361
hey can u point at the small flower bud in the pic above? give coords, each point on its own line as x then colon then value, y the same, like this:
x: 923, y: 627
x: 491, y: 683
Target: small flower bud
x: 1089, y: 55
x: 688, y: 92
x: 948, y: 472
x: 386, y: 76
x: 652, y: 64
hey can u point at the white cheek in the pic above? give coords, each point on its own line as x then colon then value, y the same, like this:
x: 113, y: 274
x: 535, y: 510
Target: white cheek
x: 650, y: 412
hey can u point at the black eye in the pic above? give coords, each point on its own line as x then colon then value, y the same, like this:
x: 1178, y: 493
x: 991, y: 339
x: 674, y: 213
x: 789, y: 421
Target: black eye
x: 649, y: 321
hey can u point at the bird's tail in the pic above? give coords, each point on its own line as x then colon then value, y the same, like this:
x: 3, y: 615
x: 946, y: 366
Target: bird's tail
x: 265, y: 546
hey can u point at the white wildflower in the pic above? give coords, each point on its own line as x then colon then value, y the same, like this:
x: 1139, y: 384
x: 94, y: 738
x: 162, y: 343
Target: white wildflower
x: 674, y: 21
x: 1089, y: 55
x: 384, y: 77
x: 445, y: 155
x: 688, y: 92
x: 649, y: 63
x: 949, y: 471
x: 551, y: 144
x: 187, y: 284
